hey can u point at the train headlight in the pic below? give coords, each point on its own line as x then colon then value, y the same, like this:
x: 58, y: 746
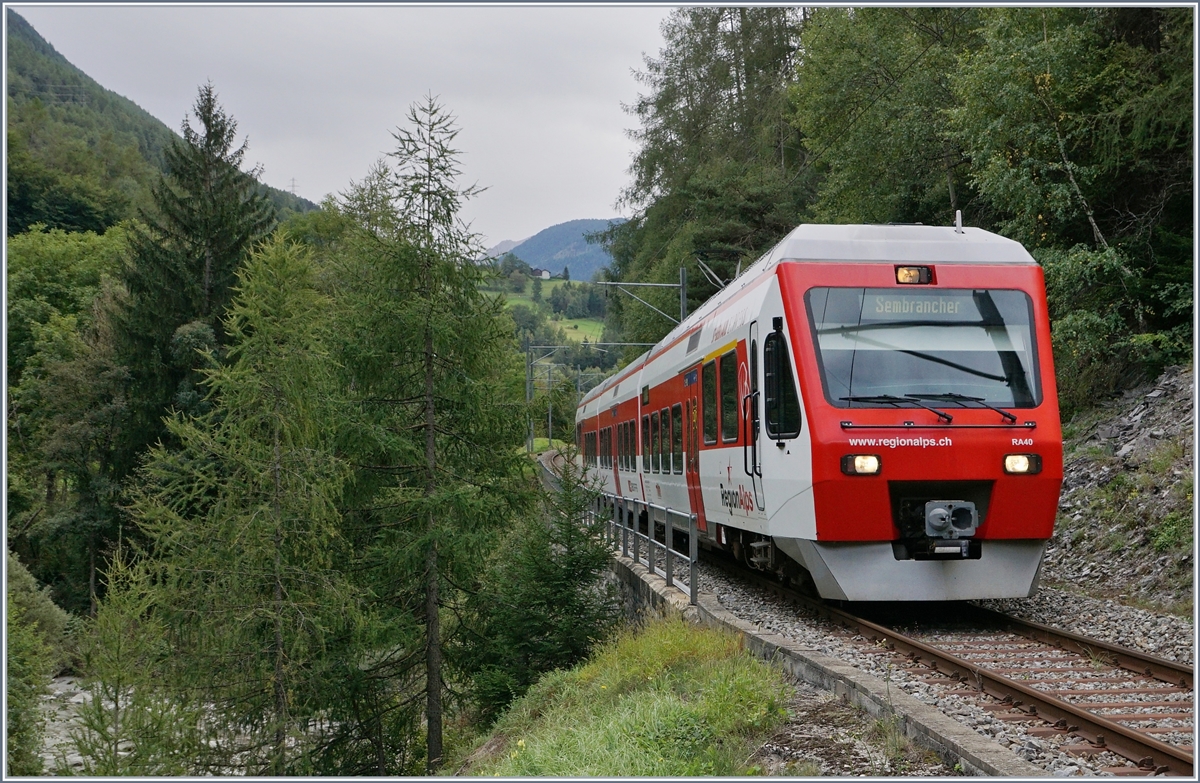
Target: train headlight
x: 1022, y: 463
x: 861, y: 464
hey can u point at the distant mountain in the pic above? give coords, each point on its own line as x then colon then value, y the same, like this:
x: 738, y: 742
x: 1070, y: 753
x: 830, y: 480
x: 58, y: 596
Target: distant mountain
x: 80, y: 157
x: 502, y: 248
x: 564, y: 246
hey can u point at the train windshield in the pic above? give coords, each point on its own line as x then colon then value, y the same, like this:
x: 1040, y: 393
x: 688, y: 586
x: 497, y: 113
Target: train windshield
x: 883, y: 346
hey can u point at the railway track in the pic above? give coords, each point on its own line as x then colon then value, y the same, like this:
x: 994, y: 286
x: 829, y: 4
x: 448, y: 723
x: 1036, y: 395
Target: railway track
x: 1091, y: 696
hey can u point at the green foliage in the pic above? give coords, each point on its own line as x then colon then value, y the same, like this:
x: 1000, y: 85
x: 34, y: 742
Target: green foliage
x: 243, y: 526
x: 53, y: 272
x: 543, y: 602
x: 53, y: 626
x: 1078, y: 125
x: 30, y: 663
x: 720, y: 173
x: 207, y: 216
x: 439, y: 411
x: 64, y: 418
x: 80, y: 157
x: 1174, y: 532
x: 1068, y: 129
x: 132, y: 722
x: 671, y: 700
x: 870, y: 99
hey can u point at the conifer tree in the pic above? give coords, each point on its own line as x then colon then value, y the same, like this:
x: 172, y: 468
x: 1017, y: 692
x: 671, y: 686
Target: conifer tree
x: 542, y: 605
x: 243, y: 526
x: 207, y: 215
x: 431, y: 359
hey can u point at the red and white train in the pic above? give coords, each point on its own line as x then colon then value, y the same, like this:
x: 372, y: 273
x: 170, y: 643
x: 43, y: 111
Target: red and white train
x: 874, y: 404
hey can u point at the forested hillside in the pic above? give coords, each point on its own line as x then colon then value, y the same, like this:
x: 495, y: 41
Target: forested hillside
x: 1068, y: 129
x: 274, y: 472
x: 270, y: 460
x: 80, y: 157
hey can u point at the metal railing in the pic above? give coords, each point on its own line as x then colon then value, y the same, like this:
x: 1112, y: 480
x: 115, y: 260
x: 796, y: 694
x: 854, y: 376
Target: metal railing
x: 622, y: 527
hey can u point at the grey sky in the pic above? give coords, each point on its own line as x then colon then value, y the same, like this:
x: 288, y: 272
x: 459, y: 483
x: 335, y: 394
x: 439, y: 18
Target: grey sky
x: 317, y: 89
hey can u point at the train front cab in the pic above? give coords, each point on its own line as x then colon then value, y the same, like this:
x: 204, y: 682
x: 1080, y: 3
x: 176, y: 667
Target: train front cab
x: 930, y: 402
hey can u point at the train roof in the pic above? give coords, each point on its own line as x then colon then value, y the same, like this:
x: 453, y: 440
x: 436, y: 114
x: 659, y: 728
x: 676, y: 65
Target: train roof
x: 850, y: 244
x: 898, y: 244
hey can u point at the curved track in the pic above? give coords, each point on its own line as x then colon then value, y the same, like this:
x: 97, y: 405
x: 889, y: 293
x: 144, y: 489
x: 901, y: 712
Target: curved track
x: 1107, y: 697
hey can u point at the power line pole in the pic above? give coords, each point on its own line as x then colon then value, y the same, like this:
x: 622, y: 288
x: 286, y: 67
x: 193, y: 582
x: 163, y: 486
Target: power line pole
x: 681, y: 285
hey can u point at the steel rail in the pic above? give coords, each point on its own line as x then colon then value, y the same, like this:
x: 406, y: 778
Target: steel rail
x: 1147, y: 752
x: 1175, y: 673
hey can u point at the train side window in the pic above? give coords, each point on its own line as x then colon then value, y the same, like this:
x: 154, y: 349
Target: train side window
x: 664, y: 448
x: 676, y: 438
x: 654, y: 440
x: 709, y: 392
x: 782, y: 402
x: 629, y: 449
x: 729, y: 397
x: 646, y: 444
x: 620, y: 446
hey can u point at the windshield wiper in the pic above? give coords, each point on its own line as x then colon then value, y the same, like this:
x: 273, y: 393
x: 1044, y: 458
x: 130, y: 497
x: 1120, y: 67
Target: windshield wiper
x: 892, y: 399
x: 960, y: 398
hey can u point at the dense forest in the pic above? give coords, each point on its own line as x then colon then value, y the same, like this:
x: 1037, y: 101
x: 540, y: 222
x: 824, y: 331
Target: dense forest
x: 272, y: 467
x: 1067, y: 129
x: 80, y: 157
x: 267, y: 487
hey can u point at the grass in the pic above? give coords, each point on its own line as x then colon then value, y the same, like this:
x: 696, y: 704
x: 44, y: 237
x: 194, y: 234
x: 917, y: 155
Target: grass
x: 672, y: 699
x: 542, y: 444
x: 577, y: 329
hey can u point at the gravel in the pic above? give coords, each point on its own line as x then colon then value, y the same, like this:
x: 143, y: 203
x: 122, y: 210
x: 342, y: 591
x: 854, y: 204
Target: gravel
x: 1163, y: 635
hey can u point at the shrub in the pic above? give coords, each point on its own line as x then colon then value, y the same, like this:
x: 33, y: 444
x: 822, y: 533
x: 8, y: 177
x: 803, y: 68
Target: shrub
x: 54, y: 627
x: 30, y: 661
x: 543, y: 604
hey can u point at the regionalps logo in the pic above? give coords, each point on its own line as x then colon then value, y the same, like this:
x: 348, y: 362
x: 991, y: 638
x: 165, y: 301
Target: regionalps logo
x: 733, y: 499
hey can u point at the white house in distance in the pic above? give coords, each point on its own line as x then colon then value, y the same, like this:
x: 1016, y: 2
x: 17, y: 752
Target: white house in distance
x: 542, y: 273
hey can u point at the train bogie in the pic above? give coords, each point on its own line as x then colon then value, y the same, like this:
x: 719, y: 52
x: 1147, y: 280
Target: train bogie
x: 874, y: 404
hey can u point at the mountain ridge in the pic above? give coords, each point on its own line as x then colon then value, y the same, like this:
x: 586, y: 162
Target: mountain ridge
x: 80, y: 156
x: 563, y: 245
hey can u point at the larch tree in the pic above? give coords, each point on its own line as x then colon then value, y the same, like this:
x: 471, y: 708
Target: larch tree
x: 432, y: 363
x: 243, y: 527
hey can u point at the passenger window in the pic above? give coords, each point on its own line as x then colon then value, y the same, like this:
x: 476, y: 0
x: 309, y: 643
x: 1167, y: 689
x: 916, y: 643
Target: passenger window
x: 654, y: 440
x: 782, y: 402
x: 645, y: 444
x: 677, y: 438
x: 664, y: 445
x: 729, y: 397
x: 709, y: 391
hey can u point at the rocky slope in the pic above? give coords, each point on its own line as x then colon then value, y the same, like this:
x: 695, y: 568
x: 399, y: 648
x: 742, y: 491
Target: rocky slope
x: 1124, y: 529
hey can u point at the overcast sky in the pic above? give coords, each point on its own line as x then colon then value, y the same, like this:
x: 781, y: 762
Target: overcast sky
x: 317, y: 90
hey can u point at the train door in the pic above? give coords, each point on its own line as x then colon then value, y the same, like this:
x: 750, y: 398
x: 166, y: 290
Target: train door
x: 691, y: 461
x: 751, y: 453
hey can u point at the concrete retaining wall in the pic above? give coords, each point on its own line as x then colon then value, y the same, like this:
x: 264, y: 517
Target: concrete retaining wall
x: 645, y: 593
